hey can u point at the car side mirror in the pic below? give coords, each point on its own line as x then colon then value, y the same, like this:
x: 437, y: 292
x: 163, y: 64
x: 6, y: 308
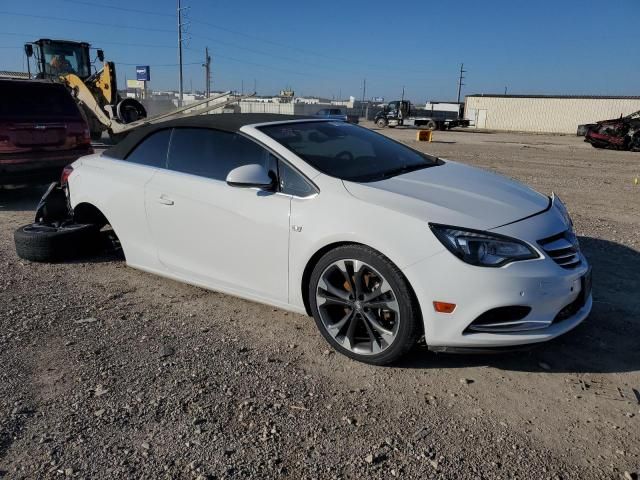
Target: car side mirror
x: 28, y: 50
x: 100, y: 55
x: 252, y: 175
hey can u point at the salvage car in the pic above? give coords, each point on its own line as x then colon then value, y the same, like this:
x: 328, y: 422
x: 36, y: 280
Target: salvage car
x: 380, y: 243
x: 41, y: 131
x: 620, y: 133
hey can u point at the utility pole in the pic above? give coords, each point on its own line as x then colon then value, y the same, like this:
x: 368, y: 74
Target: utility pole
x: 255, y: 87
x: 505, y: 90
x: 207, y: 72
x: 460, y: 84
x: 180, y: 50
x: 364, y: 91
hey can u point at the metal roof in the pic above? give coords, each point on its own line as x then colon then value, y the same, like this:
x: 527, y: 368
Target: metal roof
x: 586, y: 97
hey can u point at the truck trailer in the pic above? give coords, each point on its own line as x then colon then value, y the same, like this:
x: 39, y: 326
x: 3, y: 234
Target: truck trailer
x: 402, y: 112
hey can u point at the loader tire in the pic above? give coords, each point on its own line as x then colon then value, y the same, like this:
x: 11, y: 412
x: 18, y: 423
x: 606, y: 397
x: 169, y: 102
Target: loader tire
x: 44, y: 243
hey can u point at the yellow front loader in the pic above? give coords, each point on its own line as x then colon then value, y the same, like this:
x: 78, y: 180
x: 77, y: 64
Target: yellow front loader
x: 95, y: 92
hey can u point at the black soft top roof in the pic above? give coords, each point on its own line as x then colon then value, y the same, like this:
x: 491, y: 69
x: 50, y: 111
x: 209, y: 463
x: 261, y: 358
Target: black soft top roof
x: 228, y: 122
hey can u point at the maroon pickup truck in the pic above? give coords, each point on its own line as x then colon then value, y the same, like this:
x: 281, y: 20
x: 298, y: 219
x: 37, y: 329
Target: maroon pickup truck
x: 41, y: 131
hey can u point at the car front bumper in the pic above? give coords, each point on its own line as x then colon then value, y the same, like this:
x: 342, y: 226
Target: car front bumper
x: 541, y: 285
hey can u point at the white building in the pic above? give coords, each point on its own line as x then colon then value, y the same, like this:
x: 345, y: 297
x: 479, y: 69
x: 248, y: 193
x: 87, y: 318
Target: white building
x: 292, y: 108
x: 544, y: 113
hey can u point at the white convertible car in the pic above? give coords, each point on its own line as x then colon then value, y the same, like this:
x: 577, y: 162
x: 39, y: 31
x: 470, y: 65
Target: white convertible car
x: 380, y: 243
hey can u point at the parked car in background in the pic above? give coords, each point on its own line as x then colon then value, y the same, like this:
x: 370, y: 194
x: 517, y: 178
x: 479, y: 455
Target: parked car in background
x: 41, y: 131
x: 336, y: 114
x: 619, y: 133
x: 382, y: 244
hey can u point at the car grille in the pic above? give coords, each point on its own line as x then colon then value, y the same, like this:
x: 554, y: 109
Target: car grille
x: 562, y: 248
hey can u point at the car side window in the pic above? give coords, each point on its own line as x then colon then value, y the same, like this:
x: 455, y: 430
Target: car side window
x: 293, y: 183
x: 213, y: 153
x: 152, y: 151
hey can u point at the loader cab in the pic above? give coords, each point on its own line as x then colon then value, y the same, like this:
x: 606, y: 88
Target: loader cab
x: 61, y: 57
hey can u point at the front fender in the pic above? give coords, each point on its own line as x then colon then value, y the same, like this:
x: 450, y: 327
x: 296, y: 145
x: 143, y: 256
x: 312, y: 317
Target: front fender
x: 327, y: 220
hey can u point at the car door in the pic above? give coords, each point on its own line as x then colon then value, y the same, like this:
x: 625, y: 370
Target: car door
x: 227, y: 238
x: 117, y: 186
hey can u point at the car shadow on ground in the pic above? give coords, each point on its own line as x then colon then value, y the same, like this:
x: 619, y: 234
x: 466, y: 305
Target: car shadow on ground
x: 21, y: 199
x: 606, y: 342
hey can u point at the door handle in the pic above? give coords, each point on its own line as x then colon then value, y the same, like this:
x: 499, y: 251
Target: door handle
x: 164, y: 200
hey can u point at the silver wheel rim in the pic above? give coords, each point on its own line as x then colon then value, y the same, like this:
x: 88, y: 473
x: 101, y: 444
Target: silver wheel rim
x: 358, y: 307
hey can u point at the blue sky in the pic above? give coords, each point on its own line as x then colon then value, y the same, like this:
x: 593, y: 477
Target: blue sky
x: 327, y: 48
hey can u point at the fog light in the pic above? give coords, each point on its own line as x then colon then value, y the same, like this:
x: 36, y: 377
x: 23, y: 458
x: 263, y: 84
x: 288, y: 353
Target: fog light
x: 444, y: 307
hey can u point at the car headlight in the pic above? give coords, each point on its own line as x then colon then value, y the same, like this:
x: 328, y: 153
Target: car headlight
x: 560, y: 206
x: 482, y: 248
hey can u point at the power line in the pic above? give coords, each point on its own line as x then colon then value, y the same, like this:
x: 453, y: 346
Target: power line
x: 303, y: 50
x: 87, y: 22
x: 123, y: 9
x: 292, y: 72
x: 159, y: 64
x: 236, y: 32
x: 101, y: 42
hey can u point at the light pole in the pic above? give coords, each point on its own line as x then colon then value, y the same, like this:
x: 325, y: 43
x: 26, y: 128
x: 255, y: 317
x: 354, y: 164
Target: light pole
x: 180, y: 51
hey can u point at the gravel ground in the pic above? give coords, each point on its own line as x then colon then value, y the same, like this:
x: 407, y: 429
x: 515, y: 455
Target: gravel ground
x: 108, y: 372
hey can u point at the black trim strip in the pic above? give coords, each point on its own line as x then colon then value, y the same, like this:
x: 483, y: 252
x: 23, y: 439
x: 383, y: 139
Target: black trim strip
x: 526, y: 218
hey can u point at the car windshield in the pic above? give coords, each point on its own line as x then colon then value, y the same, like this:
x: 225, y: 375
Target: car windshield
x: 347, y: 151
x: 64, y: 58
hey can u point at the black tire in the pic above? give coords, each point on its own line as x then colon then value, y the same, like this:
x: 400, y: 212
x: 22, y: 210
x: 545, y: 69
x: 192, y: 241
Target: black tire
x: 382, y: 122
x: 130, y: 110
x: 431, y: 125
x: 96, y: 136
x: 409, y: 329
x: 43, y: 243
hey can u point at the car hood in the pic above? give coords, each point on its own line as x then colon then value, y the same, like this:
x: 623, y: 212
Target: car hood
x: 454, y: 194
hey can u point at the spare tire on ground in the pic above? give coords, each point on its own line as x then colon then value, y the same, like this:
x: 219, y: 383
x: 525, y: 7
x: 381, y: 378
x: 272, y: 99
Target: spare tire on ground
x: 46, y: 243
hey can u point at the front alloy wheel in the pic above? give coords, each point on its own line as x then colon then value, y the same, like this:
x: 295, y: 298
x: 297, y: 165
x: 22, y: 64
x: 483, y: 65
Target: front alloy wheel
x: 362, y: 305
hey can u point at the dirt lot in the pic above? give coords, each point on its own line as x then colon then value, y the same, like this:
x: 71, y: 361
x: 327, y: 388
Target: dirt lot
x: 108, y: 372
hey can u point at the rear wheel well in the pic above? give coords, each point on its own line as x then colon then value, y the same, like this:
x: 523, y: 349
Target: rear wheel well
x: 87, y: 213
x: 308, y: 270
